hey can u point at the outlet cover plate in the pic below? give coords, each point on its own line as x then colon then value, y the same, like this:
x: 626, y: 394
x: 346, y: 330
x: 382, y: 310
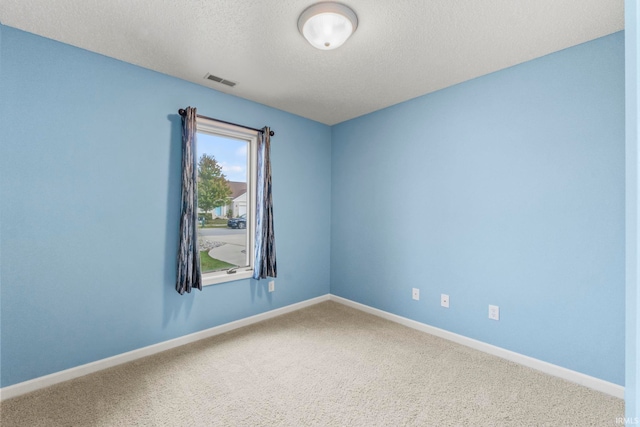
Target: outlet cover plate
x: 415, y: 294
x: 494, y: 312
x: 444, y: 300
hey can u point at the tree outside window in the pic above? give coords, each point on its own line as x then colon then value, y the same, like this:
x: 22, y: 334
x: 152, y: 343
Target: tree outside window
x: 213, y: 188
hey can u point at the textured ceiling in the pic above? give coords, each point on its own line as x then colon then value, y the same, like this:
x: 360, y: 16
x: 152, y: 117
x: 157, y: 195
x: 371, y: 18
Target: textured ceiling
x: 402, y: 48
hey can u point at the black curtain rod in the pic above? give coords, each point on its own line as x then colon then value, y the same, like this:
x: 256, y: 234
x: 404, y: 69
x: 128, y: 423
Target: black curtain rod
x: 182, y: 112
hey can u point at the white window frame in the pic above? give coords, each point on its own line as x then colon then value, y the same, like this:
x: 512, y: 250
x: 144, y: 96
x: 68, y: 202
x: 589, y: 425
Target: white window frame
x: 214, y: 127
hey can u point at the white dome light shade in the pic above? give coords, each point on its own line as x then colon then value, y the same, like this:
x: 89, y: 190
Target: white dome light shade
x: 327, y: 25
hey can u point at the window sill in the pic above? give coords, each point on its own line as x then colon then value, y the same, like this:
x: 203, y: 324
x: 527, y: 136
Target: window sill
x: 222, y: 277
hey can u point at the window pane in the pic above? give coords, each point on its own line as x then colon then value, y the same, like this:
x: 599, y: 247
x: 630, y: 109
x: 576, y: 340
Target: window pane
x: 222, y: 202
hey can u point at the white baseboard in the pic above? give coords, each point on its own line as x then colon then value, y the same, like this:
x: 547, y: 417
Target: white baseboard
x: 539, y: 365
x: 78, y: 371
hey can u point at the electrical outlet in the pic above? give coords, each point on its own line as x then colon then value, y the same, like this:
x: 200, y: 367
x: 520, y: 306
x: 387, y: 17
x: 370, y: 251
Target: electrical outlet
x: 272, y: 286
x: 494, y: 312
x: 415, y: 294
x: 444, y: 300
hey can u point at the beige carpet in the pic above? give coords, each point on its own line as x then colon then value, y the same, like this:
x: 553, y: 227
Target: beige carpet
x: 326, y: 365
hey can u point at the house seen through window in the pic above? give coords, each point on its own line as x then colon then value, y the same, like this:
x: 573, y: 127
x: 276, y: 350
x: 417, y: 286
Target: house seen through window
x: 226, y: 191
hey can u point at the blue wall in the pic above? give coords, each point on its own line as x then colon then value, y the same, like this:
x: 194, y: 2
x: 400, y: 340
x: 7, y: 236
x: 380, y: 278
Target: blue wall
x: 89, y: 185
x: 505, y: 190
x: 632, y: 78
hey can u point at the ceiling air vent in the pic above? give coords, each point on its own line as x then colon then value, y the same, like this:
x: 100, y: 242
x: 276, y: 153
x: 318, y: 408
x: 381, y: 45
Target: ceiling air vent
x: 220, y: 80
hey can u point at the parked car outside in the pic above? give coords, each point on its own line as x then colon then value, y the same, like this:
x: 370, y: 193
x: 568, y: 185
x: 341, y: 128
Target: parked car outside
x: 240, y: 222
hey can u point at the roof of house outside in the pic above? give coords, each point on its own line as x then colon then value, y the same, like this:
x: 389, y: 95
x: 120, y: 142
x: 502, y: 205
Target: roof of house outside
x: 237, y: 188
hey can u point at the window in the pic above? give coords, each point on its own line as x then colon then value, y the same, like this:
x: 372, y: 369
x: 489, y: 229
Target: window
x: 226, y: 164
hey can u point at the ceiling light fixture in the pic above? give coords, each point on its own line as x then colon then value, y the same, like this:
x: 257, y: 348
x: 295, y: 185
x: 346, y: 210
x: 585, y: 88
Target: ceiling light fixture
x: 327, y: 25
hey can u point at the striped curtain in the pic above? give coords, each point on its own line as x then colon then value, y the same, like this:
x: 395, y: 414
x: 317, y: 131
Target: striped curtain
x: 265, y: 241
x: 188, y: 255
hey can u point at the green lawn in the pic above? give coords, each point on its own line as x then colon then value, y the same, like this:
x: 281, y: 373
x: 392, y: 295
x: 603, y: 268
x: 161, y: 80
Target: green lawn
x: 214, y: 223
x: 211, y: 264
